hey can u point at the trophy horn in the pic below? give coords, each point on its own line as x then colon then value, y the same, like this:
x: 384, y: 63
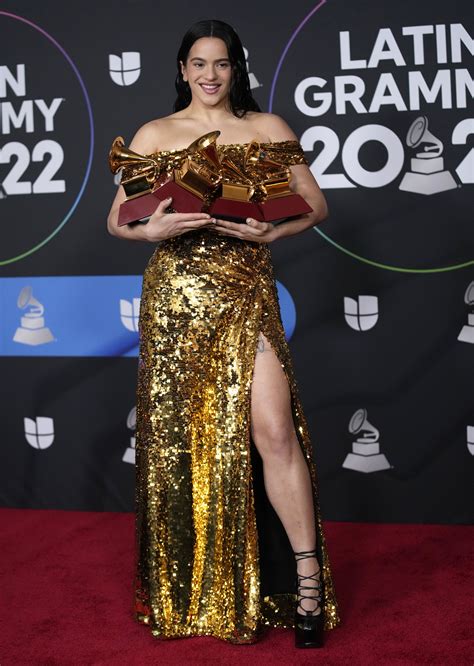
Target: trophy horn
x: 418, y: 134
x: 257, y: 158
x: 206, y: 146
x: 119, y: 156
x: 231, y: 167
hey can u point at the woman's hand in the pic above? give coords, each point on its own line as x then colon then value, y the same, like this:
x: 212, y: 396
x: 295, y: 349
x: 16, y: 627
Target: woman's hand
x: 252, y: 230
x: 163, y: 225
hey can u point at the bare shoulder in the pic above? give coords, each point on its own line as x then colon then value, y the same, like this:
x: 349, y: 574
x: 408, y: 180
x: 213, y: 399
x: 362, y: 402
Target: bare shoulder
x: 147, y: 138
x: 155, y: 135
x: 274, y: 126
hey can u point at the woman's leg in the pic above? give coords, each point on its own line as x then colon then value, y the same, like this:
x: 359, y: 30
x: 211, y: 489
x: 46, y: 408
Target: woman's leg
x: 285, y: 470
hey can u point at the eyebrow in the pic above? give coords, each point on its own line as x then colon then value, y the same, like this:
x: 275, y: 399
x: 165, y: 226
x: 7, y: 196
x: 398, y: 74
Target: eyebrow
x: 217, y: 59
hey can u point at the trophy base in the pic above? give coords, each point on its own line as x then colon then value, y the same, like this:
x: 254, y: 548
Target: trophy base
x: 278, y: 208
x: 466, y: 334
x: 431, y: 183
x: 32, y: 323
x: 129, y: 456
x: 33, y: 337
x: 361, y: 463
x: 142, y: 207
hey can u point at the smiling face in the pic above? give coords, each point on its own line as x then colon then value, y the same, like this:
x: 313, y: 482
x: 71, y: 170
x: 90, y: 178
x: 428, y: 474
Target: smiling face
x: 208, y: 71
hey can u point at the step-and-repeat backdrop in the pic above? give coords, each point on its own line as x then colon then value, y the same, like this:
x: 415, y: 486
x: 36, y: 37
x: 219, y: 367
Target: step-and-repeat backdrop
x: 377, y: 300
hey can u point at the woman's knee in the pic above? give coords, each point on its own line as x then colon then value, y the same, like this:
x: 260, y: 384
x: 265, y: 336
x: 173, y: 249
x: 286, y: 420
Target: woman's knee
x: 275, y: 443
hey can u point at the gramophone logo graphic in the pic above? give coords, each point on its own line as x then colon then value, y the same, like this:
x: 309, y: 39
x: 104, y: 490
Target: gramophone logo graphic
x: 467, y: 331
x: 365, y: 456
x: 252, y: 78
x: 129, y: 455
x: 427, y: 175
x: 32, y: 330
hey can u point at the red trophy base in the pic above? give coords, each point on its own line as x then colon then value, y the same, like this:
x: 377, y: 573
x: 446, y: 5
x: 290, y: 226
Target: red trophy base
x: 141, y: 207
x: 277, y: 208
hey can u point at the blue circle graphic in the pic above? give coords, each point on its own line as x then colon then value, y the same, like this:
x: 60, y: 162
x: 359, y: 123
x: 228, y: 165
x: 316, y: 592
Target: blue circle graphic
x: 287, y: 309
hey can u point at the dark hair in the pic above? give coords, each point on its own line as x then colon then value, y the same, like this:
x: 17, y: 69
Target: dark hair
x: 240, y: 97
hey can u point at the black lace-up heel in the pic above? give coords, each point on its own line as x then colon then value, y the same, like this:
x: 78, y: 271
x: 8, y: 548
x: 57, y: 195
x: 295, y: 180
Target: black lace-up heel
x: 310, y: 626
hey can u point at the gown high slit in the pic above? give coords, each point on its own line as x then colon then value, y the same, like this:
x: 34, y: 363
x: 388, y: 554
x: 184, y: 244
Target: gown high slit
x: 205, y: 299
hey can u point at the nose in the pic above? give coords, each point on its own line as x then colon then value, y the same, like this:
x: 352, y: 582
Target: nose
x: 210, y: 74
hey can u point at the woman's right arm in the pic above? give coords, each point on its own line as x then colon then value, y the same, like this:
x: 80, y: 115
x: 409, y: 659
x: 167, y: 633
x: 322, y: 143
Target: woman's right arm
x: 161, y: 225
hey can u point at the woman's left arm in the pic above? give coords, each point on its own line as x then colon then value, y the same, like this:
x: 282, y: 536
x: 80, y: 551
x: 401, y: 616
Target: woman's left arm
x: 302, y: 183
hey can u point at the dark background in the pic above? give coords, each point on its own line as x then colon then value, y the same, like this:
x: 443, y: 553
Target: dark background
x: 409, y: 371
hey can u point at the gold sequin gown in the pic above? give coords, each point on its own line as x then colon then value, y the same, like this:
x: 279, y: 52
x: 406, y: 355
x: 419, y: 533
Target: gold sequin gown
x: 205, y: 299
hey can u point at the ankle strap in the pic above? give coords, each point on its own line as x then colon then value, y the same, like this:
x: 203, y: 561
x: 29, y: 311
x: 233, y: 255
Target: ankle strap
x: 304, y: 554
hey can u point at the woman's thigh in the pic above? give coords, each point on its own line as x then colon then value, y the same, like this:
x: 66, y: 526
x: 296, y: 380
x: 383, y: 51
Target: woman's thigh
x: 272, y: 426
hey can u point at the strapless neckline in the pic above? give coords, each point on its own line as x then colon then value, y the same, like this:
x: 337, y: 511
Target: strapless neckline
x: 264, y: 144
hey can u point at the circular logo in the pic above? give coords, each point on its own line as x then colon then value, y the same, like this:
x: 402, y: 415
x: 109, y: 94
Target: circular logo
x: 47, y: 138
x: 381, y: 110
x: 287, y: 310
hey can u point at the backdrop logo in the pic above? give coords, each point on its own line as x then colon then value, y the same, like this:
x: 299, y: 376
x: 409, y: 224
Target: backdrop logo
x: 46, y: 138
x: 39, y: 432
x: 381, y: 109
x: 32, y: 329
x: 365, y: 455
x: 129, y: 454
x: 130, y: 313
x: 124, y: 69
x: 254, y: 83
x: 470, y: 439
x: 427, y: 174
x: 363, y: 314
x: 467, y: 331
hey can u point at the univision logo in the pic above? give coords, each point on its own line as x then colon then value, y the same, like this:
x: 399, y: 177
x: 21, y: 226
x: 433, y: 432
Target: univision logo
x: 363, y: 314
x: 130, y: 313
x: 39, y: 432
x: 125, y: 69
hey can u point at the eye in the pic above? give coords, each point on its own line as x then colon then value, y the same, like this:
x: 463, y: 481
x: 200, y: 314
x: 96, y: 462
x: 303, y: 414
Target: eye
x: 198, y: 64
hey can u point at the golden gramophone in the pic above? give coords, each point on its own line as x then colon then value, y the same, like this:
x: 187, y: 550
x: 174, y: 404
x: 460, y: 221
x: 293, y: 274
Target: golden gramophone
x: 146, y: 182
x: 201, y: 179
x: 260, y: 190
x: 236, y: 185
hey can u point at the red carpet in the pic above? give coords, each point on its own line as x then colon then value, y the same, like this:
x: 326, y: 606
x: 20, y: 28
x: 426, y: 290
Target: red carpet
x: 405, y: 594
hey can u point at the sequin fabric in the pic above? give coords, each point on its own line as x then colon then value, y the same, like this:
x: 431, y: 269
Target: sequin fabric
x: 205, y: 298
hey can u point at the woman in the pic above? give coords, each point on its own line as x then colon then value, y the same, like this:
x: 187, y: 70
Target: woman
x: 214, y: 376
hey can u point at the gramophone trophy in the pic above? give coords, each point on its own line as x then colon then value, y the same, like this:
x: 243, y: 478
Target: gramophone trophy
x: 427, y: 174
x: 201, y: 179
x: 365, y: 455
x: 141, y: 201
x: 146, y: 184
x: 261, y: 190
x: 32, y: 330
x: 467, y: 331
